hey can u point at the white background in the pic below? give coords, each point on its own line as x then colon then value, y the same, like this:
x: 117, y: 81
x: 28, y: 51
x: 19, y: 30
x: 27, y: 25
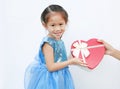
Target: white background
x: 21, y: 33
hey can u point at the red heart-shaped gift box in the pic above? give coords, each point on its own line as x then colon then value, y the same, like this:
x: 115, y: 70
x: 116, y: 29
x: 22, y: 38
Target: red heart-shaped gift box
x: 90, y: 51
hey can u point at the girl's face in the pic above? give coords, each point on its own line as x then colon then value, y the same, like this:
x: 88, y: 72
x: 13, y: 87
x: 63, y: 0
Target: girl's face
x: 55, y: 25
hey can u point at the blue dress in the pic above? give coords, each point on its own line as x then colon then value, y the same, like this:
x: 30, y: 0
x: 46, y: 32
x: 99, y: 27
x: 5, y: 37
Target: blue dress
x: 37, y: 75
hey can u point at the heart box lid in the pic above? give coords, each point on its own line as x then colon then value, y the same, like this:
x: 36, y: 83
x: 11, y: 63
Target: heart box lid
x: 90, y: 51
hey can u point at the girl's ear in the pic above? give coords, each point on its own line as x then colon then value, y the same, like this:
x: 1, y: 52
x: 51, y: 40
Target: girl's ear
x: 44, y: 24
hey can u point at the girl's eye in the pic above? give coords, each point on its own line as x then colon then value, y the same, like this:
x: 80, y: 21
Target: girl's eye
x: 60, y: 24
x: 53, y: 25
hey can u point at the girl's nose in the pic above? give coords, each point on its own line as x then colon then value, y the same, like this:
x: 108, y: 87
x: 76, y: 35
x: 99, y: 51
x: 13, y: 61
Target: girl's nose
x: 58, y: 28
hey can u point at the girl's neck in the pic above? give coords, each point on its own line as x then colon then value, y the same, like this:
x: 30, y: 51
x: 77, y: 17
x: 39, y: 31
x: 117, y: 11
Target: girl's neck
x: 53, y: 37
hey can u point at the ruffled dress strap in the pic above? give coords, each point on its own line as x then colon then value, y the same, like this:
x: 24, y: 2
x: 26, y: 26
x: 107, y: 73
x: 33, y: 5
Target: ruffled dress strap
x: 58, y: 48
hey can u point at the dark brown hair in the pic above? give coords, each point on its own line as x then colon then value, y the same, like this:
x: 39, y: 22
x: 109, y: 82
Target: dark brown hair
x: 53, y: 8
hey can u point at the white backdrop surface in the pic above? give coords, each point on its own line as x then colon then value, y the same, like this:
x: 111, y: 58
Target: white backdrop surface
x: 21, y: 33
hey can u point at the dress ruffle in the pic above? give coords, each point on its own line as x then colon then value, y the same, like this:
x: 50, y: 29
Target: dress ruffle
x: 38, y: 77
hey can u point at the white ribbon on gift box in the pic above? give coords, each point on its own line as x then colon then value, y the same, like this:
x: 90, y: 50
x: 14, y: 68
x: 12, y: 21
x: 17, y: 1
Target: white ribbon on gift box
x: 83, y: 48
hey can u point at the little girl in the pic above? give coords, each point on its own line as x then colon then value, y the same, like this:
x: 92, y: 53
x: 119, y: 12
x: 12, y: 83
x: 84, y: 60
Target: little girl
x: 50, y: 69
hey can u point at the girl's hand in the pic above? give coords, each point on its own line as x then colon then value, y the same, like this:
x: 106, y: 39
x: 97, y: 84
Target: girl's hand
x: 78, y: 61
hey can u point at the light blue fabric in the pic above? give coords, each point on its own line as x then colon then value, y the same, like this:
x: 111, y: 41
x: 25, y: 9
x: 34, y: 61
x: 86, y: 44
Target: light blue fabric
x: 38, y: 77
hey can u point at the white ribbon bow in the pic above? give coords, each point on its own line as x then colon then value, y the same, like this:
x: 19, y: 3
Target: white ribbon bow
x: 81, y: 47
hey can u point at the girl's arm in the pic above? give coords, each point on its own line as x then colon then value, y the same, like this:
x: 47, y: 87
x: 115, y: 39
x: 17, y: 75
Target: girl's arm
x: 51, y: 65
